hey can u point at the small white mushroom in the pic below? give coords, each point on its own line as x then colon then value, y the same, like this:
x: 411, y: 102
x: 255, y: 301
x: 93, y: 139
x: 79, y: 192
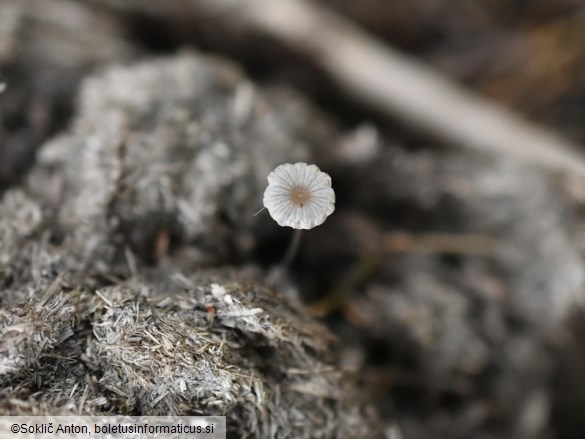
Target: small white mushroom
x: 299, y: 196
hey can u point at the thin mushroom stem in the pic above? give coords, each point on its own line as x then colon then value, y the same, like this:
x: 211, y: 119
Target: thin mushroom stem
x: 293, y: 248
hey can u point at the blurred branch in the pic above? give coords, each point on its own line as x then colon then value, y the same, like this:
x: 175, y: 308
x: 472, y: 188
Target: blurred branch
x: 454, y: 244
x: 396, y: 84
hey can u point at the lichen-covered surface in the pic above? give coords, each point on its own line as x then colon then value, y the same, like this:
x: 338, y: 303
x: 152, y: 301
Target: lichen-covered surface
x: 135, y: 278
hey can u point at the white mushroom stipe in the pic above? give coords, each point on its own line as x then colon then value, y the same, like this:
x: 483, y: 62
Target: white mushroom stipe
x: 299, y: 196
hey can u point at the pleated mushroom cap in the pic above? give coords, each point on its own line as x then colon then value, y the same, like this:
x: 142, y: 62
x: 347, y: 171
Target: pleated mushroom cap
x: 299, y: 196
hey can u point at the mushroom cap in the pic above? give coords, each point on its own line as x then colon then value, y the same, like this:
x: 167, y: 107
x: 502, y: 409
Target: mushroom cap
x: 299, y: 196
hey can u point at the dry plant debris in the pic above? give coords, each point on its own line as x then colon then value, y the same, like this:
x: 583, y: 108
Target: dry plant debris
x: 159, y: 175
x: 115, y: 291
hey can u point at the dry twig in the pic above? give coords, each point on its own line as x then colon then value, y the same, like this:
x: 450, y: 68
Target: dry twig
x: 397, y: 85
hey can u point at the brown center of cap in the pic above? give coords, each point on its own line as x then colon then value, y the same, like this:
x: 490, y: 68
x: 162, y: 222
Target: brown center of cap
x: 300, y: 195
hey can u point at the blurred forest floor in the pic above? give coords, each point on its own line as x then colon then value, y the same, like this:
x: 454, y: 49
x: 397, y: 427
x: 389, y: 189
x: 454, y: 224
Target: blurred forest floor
x: 528, y: 55
x: 131, y: 166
